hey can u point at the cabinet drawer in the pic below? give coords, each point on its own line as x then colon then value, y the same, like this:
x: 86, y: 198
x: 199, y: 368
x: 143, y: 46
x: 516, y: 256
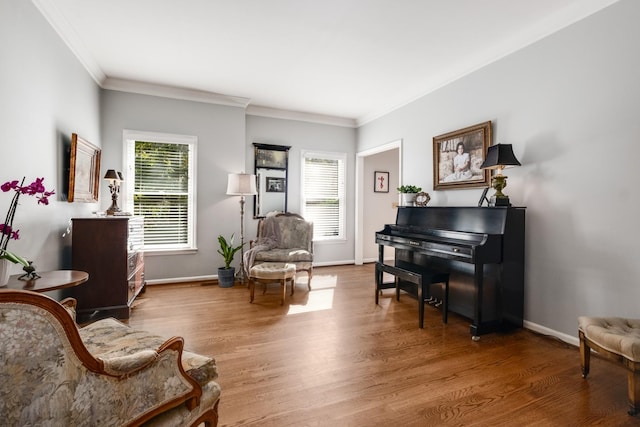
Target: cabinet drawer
x: 134, y: 262
x: 135, y: 284
x: 135, y: 240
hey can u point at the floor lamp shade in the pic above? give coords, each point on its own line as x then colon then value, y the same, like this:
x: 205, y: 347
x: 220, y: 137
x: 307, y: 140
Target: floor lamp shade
x: 241, y: 184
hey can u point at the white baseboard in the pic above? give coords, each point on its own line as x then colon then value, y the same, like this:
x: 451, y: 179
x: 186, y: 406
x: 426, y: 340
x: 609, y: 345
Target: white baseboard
x: 569, y: 339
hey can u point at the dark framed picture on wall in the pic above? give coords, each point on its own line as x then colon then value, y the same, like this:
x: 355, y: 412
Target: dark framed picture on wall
x: 271, y: 159
x: 275, y: 185
x: 457, y: 157
x: 380, y: 182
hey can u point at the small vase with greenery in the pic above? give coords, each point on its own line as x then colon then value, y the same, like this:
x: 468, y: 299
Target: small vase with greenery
x: 407, y: 194
x: 227, y: 273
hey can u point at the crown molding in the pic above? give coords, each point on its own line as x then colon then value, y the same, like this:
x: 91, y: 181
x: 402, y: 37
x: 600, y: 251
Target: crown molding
x: 73, y: 41
x: 276, y: 113
x: 143, y: 88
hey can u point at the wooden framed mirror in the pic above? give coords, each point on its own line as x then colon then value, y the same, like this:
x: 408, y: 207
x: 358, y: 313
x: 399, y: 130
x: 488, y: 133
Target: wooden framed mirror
x: 271, y: 166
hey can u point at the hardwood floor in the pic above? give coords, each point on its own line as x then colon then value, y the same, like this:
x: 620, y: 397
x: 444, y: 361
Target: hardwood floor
x: 331, y: 357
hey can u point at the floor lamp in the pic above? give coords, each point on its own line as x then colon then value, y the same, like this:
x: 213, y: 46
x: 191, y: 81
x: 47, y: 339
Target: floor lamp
x: 241, y: 184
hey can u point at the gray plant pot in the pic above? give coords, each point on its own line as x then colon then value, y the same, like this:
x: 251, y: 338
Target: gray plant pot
x: 226, y: 277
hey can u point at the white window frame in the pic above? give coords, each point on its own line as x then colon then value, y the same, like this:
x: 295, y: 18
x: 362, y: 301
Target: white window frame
x: 342, y: 157
x: 129, y: 138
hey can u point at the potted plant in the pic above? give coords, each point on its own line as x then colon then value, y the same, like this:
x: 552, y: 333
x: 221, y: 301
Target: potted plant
x: 407, y: 194
x: 227, y: 273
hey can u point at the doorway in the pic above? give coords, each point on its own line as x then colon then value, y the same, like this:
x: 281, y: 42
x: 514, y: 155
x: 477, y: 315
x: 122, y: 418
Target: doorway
x: 374, y: 209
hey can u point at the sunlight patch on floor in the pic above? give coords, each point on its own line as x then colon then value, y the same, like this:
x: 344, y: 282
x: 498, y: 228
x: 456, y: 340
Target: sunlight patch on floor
x: 320, y: 296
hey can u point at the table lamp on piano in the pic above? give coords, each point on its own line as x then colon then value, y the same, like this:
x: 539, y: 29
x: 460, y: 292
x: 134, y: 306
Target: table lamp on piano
x: 499, y: 157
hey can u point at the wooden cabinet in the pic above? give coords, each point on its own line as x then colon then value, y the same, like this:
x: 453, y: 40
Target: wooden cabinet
x: 110, y: 250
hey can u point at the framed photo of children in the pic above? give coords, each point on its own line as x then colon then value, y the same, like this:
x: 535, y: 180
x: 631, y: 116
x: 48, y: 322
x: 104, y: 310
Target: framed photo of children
x: 457, y: 157
x: 380, y: 182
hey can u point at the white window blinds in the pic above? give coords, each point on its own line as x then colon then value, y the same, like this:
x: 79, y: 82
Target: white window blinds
x: 162, y: 192
x: 323, y: 194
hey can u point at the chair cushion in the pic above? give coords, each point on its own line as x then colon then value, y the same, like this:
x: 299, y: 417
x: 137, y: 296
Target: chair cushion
x: 615, y: 334
x: 284, y: 255
x: 273, y: 270
x: 110, y: 340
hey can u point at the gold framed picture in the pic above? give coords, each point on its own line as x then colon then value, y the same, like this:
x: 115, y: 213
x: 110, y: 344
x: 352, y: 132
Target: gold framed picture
x: 84, y: 171
x: 457, y: 157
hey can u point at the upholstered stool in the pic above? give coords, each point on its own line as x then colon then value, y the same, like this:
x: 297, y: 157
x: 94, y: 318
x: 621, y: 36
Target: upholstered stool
x: 269, y: 272
x: 619, y: 340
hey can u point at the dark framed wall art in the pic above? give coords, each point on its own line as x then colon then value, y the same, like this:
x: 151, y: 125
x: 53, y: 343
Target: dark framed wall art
x: 457, y: 157
x: 380, y: 182
x: 275, y: 185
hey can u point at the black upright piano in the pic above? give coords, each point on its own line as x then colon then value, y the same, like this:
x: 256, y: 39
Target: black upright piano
x: 481, y: 248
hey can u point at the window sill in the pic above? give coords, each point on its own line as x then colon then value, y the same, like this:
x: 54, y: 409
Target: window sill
x: 330, y: 241
x: 162, y: 252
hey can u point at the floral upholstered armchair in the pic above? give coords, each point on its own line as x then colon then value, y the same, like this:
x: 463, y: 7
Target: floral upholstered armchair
x: 104, y: 374
x: 283, y: 237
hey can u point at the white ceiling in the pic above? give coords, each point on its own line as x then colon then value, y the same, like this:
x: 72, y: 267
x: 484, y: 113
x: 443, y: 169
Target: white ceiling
x: 348, y: 59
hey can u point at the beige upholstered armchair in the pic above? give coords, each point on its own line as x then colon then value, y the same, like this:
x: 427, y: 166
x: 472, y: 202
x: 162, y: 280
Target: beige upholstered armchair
x: 284, y: 237
x: 104, y: 374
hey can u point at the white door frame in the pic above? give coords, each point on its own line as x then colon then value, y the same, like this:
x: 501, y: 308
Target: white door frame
x: 359, y: 241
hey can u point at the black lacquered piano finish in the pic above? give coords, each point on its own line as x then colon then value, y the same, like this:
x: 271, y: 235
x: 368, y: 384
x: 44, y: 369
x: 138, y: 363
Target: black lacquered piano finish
x: 481, y: 248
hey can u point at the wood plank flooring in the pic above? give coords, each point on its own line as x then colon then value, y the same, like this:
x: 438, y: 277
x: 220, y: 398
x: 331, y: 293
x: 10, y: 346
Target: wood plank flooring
x: 331, y: 357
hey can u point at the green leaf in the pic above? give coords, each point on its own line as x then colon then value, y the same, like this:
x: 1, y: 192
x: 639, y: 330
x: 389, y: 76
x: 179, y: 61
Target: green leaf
x: 16, y: 259
x: 227, y: 250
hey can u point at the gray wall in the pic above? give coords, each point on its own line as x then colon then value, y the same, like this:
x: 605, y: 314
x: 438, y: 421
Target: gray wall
x: 220, y: 151
x: 569, y: 105
x: 46, y: 95
x: 309, y: 136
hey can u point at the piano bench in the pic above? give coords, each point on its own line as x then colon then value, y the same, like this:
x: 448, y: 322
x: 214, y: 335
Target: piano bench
x: 422, y: 278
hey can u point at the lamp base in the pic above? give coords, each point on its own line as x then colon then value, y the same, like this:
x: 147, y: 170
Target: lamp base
x: 113, y: 211
x: 499, y: 201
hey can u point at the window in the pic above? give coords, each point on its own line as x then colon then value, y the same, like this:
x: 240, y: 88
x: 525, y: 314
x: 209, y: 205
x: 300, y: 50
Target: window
x: 323, y: 193
x: 161, y: 188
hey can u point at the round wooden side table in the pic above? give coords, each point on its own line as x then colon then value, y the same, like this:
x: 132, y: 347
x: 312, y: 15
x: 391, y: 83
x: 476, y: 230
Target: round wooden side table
x: 48, y: 281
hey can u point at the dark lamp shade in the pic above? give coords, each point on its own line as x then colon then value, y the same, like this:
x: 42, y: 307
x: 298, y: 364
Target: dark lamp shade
x: 111, y: 174
x: 499, y: 156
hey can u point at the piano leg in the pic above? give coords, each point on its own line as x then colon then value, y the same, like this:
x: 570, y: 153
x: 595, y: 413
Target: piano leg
x: 477, y: 304
x: 380, y: 285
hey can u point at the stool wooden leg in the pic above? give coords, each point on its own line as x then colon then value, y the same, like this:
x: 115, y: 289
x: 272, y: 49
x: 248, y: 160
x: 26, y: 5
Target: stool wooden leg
x: 293, y: 284
x: 585, y: 355
x: 252, y: 289
x: 283, y: 284
x: 634, y: 392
